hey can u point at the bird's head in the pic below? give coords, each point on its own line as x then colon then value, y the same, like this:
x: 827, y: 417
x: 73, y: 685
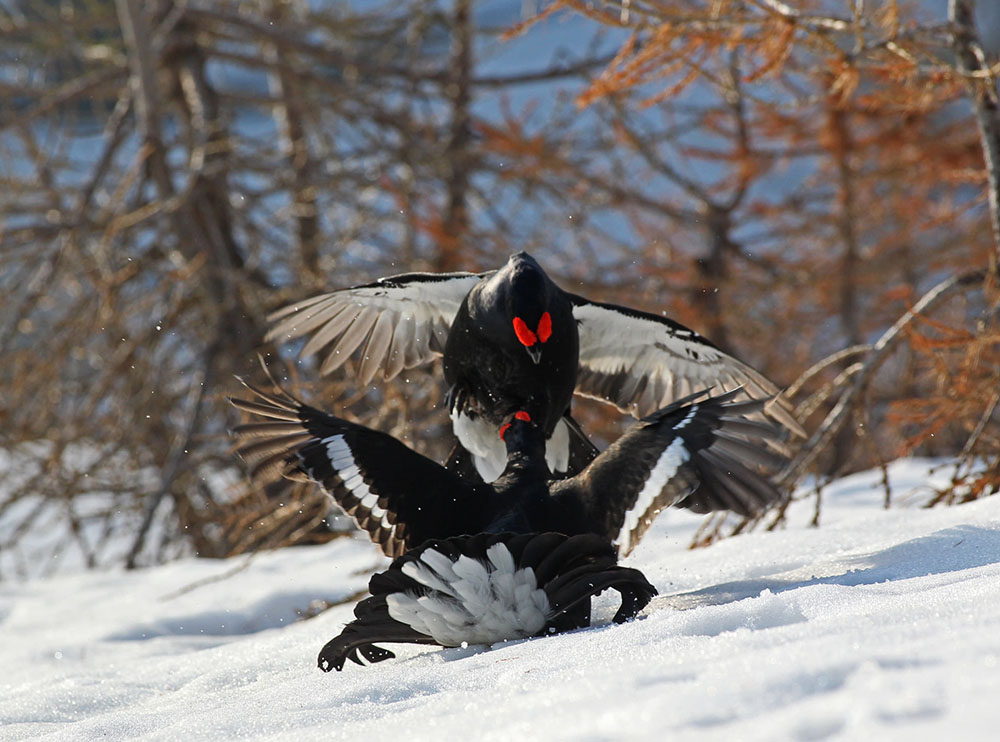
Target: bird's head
x: 529, y: 299
x: 522, y: 435
x: 525, y: 444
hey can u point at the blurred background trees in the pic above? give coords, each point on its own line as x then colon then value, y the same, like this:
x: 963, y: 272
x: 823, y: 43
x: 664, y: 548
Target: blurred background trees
x: 809, y: 183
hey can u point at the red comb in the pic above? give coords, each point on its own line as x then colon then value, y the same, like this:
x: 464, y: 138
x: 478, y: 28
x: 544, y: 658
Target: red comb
x: 526, y: 336
x: 545, y: 327
x: 520, y: 415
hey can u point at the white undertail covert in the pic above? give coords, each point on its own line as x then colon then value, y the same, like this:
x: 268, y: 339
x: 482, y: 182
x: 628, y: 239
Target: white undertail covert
x: 471, y: 600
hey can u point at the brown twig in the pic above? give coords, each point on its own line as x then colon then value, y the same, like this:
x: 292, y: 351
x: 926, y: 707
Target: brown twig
x: 881, y: 349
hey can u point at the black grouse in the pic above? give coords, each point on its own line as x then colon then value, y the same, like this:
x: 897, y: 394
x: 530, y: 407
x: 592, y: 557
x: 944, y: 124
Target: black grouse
x: 699, y: 453
x: 484, y: 589
x: 513, y: 340
x: 513, y: 345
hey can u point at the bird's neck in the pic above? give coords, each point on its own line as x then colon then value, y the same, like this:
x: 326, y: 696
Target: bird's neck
x: 523, y: 487
x: 527, y: 466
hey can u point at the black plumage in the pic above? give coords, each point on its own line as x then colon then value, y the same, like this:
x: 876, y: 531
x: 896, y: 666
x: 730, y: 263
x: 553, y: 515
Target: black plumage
x: 513, y: 345
x: 512, y: 339
x: 699, y: 453
x: 497, y: 370
x: 508, y: 337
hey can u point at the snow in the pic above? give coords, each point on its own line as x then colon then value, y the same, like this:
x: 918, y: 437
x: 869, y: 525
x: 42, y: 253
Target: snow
x: 881, y: 624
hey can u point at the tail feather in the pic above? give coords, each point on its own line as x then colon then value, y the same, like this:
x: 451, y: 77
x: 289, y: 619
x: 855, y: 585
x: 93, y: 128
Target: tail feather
x: 372, y: 624
x: 571, y: 554
x: 586, y: 566
x: 633, y: 587
x: 485, y: 588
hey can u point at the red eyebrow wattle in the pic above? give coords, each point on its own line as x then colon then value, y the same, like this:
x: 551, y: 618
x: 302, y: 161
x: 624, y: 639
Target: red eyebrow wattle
x: 545, y: 327
x: 526, y: 336
x: 520, y: 415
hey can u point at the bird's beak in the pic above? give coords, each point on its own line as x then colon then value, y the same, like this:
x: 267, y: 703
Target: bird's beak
x: 535, y: 351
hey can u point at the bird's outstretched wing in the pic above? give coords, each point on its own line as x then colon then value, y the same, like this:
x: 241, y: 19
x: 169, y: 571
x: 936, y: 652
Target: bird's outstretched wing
x: 399, y: 322
x: 641, y: 362
x: 698, y: 453
x: 399, y: 497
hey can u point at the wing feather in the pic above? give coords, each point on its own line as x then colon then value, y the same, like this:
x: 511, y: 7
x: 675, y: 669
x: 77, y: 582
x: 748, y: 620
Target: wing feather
x: 333, y: 327
x: 397, y: 496
x: 374, y: 355
x: 404, y: 319
x: 693, y: 454
x: 353, y: 336
x: 641, y: 362
x: 294, y: 308
x: 396, y: 356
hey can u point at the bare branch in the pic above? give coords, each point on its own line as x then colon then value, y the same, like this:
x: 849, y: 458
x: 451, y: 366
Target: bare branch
x: 834, y: 358
x: 818, y: 442
x: 971, y: 60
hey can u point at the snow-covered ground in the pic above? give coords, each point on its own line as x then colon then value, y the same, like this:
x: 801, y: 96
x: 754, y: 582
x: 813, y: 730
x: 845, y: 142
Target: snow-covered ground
x: 879, y: 625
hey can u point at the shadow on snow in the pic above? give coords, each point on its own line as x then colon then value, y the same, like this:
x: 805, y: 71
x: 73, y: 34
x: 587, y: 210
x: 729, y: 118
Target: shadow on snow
x: 949, y: 550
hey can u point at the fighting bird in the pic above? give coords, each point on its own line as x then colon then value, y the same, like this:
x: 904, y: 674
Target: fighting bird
x: 699, y: 453
x: 513, y: 340
x: 484, y: 589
